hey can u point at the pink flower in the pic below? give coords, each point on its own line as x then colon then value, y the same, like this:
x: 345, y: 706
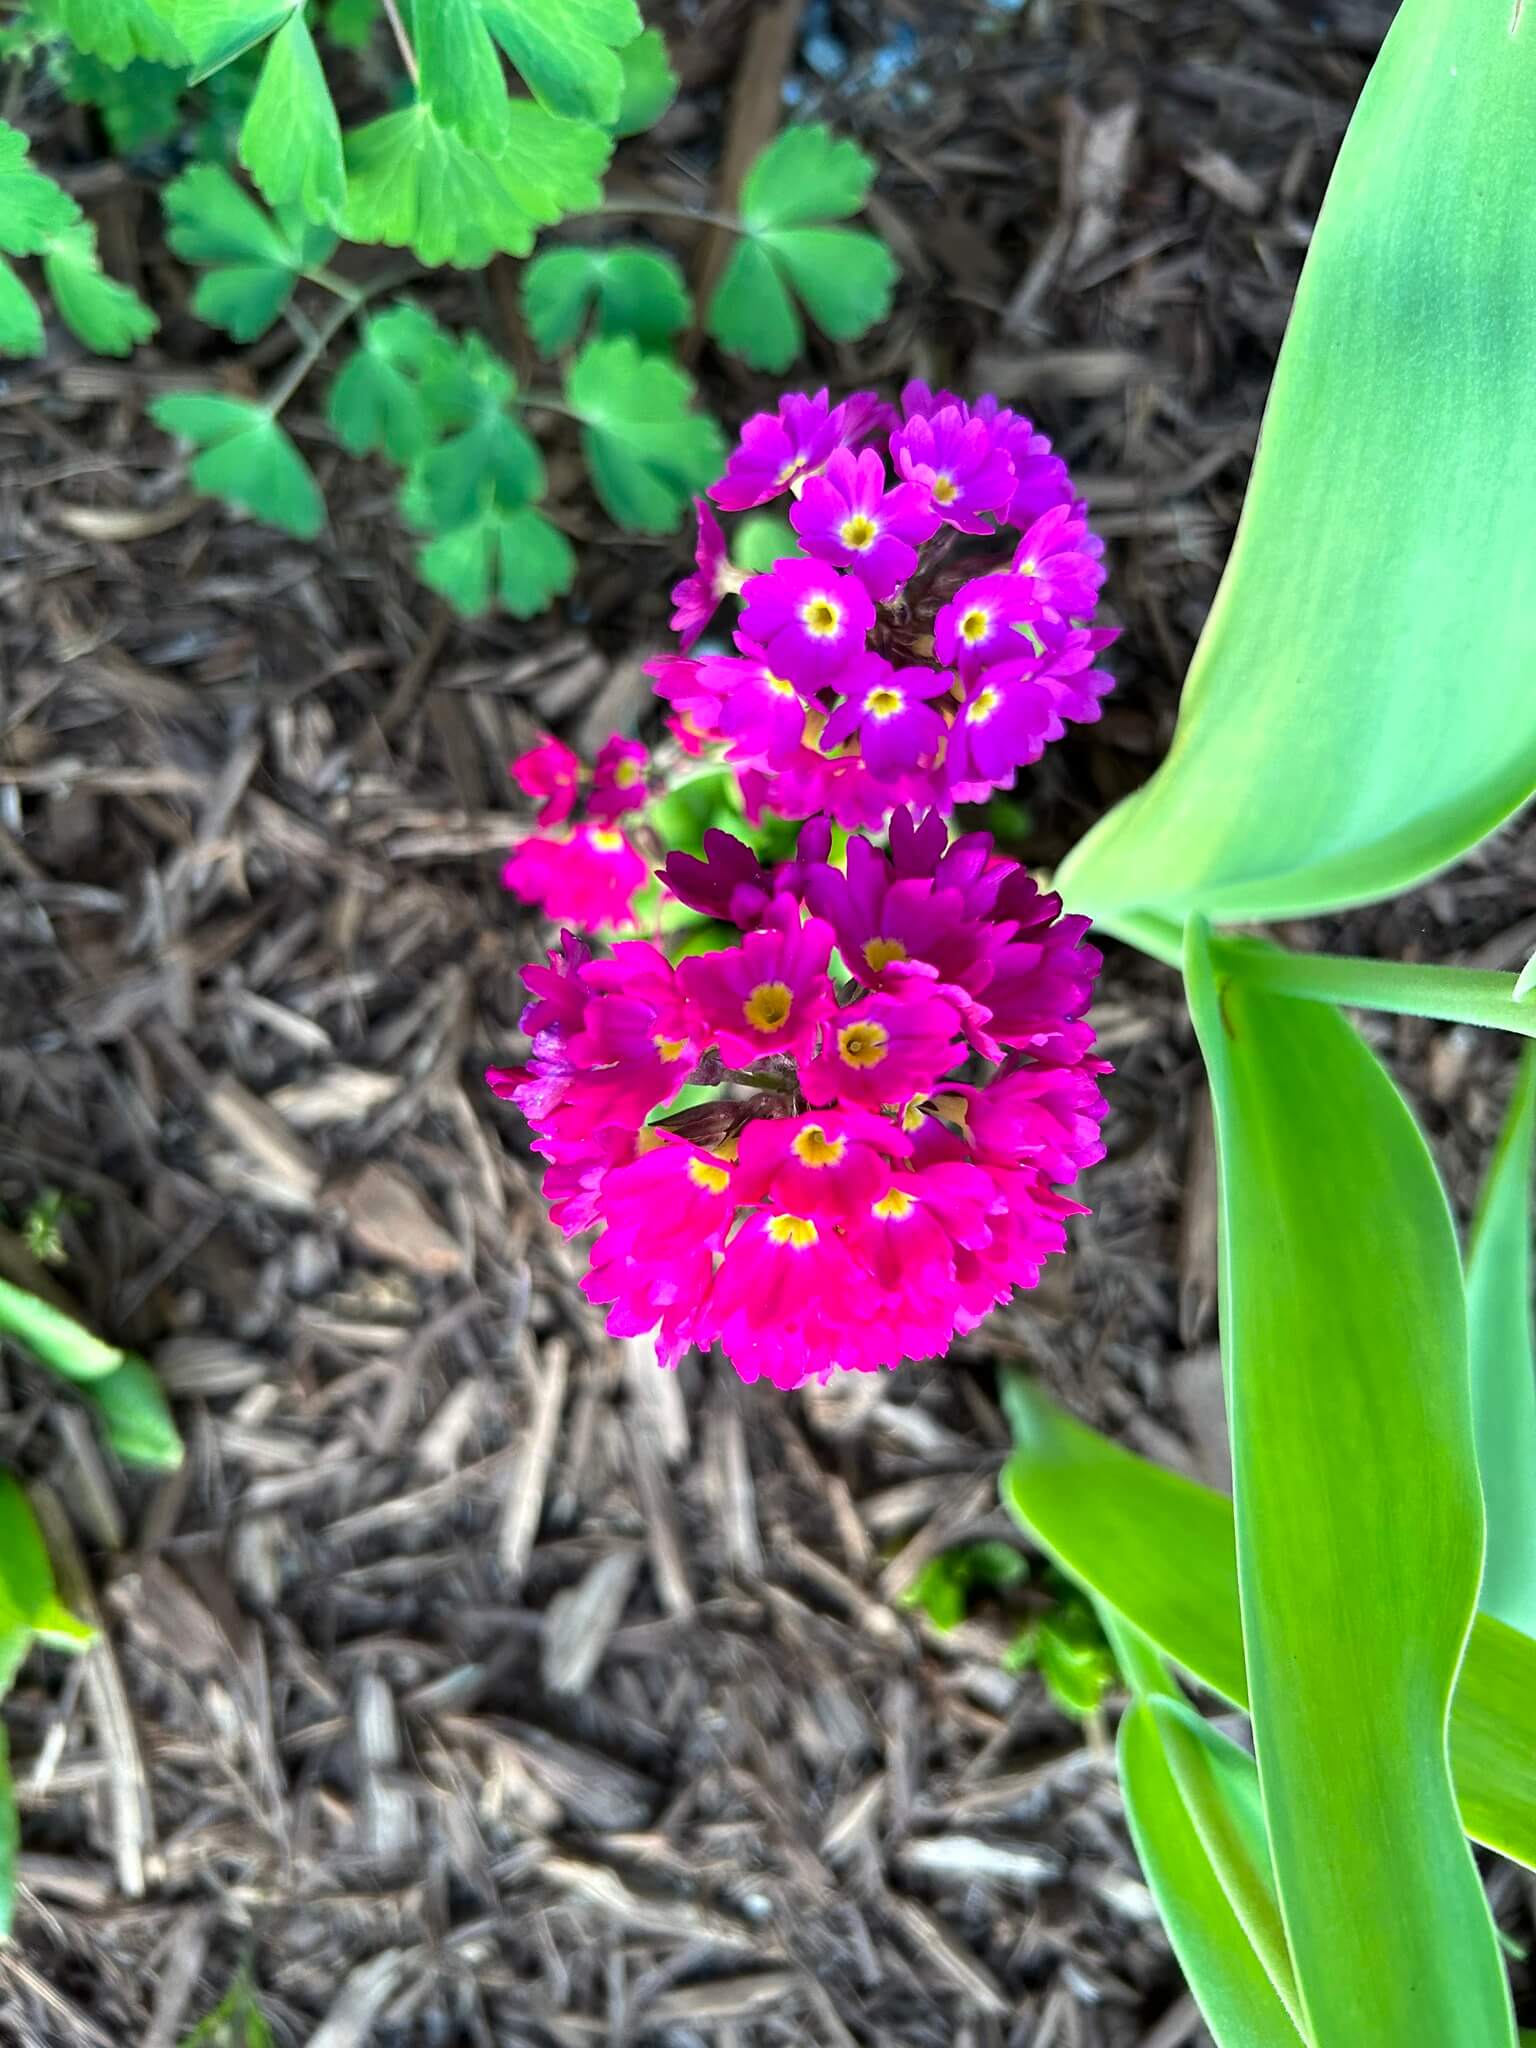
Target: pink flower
x: 809, y: 620
x: 777, y: 450
x: 963, y: 473
x: 730, y: 883
x: 618, y: 779
x: 885, y: 1050
x: 899, y: 731
x: 847, y: 516
x: 761, y: 711
x: 832, y: 1165
x: 1015, y: 708
x: 698, y: 596
x: 785, y: 1296
x: 980, y: 623
x: 769, y: 994
x: 551, y: 774
x: 1061, y: 561
x: 590, y: 877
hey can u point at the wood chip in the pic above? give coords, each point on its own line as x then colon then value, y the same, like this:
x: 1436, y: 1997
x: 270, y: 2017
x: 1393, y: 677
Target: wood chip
x: 388, y: 1218
x: 579, y: 1623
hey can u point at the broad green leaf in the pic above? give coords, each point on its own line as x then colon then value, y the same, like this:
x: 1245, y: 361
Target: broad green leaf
x: 216, y: 32
x: 10, y: 1836
x: 1233, y: 1989
x: 461, y: 75
x: 253, y: 260
x: 105, y: 315
x: 519, y: 556
x: 493, y: 464
x: 805, y: 175
x: 34, y: 211
x: 567, y: 51
x: 29, y: 1598
x: 803, y: 179
x: 635, y: 291
x: 760, y: 540
x: 21, y: 324
x: 1161, y: 1551
x: 647, y: 452
x: 131, y: 1407
x: 378, y: 400
x: 1374, y: 732
x: 116, y: 31
x: 64, y: 1345
x: 290, y: 140
x: 649, y: 87
x: 1503, y: 1365
x: 1359, y: 1520
x: 414, y: 184
x: 247, y: 459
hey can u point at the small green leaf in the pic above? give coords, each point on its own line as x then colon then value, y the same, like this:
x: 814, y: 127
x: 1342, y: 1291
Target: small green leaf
x: 139, y: 105
x: 290, y: 140
x: 650, y: 84
x: 844, y: 278
x: 349, y: 24
x: 805, y: 175
x: 378, y: 401
x: 102, y: 313
x: 254, y: 261
x: 64, y: 1345
x: 647, y: 452
x: 492, y: 464
x: 131, y: 1407
x: 760, y: 540
x: 10, y: 1834
x: 527, y: 561
x: 414, y: 184
x: 1236, y: 1996
x: 33, y: 209
x: 1503, y: 1364
x: 247, y: 459
x: 566, y: 51
x: 116, y: 31
x: 21, y: 324
x: 29, y: 1598
x: 461, y: 75
x: 635, y: 291
x: 752, y: 313
x: 1073, y: 1659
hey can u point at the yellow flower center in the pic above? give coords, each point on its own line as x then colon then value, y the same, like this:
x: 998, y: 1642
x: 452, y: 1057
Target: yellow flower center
x: 768, y: 1006
x: 822, y: 618
x: 713, y: 1179
x: 626, y: 775
x: 884, y: 703
x: 894, y: 1206
x: 973, y: 626
x: 781, y: 686
x: 981, y: 710
x: 1027, y: 568
x: 798, y: 1232
x: 671, y: 1049
x: 812, y: 1147
x: 880, y: 953
x: 945, y: 489
x: 863, y: 1045
x: 858, y: 532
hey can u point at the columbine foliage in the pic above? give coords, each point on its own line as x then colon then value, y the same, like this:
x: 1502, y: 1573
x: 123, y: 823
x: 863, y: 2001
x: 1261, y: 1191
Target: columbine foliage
x: 498, y: 132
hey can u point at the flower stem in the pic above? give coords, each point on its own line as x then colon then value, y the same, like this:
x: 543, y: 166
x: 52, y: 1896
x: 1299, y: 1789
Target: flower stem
x: 664, y: 209
x: 1451, y: 995
x: 350, y: 301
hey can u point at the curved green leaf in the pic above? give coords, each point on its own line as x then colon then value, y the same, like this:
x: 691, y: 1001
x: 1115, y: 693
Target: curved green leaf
x: 1378, y: 725
x: 752, y: 312
x: 567, y: 51
x: 253, y: 261
x: 29, y: 1599
x: 21, y: 323
x: 1359, y: 1521
x: 34, y: 210
x: 1236, y: 1997
x: 290, y: 140
x: 1161, y: 1551
x: 805, y: 175
x: 1503, y: 1364
x: 105, y: 315
x: 635, y: 291
x: 649, y: 84
x: 247, y: 459
x: 135, y: 1417
x: 64, y: 1345
x: 647, y: 450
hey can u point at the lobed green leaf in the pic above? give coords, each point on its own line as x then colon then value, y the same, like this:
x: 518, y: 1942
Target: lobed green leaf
x: 253, y: 260
x: 246, y: 459
x: 34, y: 211
x: 638, y: 292
x: 805, y: 175
x: 567, y: 51
x: 1503, y: 1363
x: 649, y: 84
x: 1381, y: 730
x: 21, y: 323
x: 290, y: 140
x: 381, y: 397
x: 647, y: 451
x: 116, y: 31
x: 215, y: 32
x: 516, y: 555
x: 461, y: 75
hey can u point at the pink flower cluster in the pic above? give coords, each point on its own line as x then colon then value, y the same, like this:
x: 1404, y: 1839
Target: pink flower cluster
x: 588, y: 872
x: 871, y: 1154
x: 903, y: 656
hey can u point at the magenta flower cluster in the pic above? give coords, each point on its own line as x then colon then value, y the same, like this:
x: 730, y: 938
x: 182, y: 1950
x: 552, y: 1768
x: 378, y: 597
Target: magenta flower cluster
x: 872, y: 1153
x: 932, y: 636
x: 841, y: 1139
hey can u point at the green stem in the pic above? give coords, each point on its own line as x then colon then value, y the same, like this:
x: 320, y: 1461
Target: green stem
x: 57, y: 1339
x: 407, y: 54
x: 540, y: 402
x: 1451, y: 995
x: 663, y: 209
x: 350, y: 301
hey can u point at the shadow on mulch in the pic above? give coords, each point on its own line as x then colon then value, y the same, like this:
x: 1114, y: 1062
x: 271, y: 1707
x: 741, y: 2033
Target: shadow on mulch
x: 475, y: 1683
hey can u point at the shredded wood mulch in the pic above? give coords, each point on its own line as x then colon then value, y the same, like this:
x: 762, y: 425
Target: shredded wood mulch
x: 475, y: 1682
